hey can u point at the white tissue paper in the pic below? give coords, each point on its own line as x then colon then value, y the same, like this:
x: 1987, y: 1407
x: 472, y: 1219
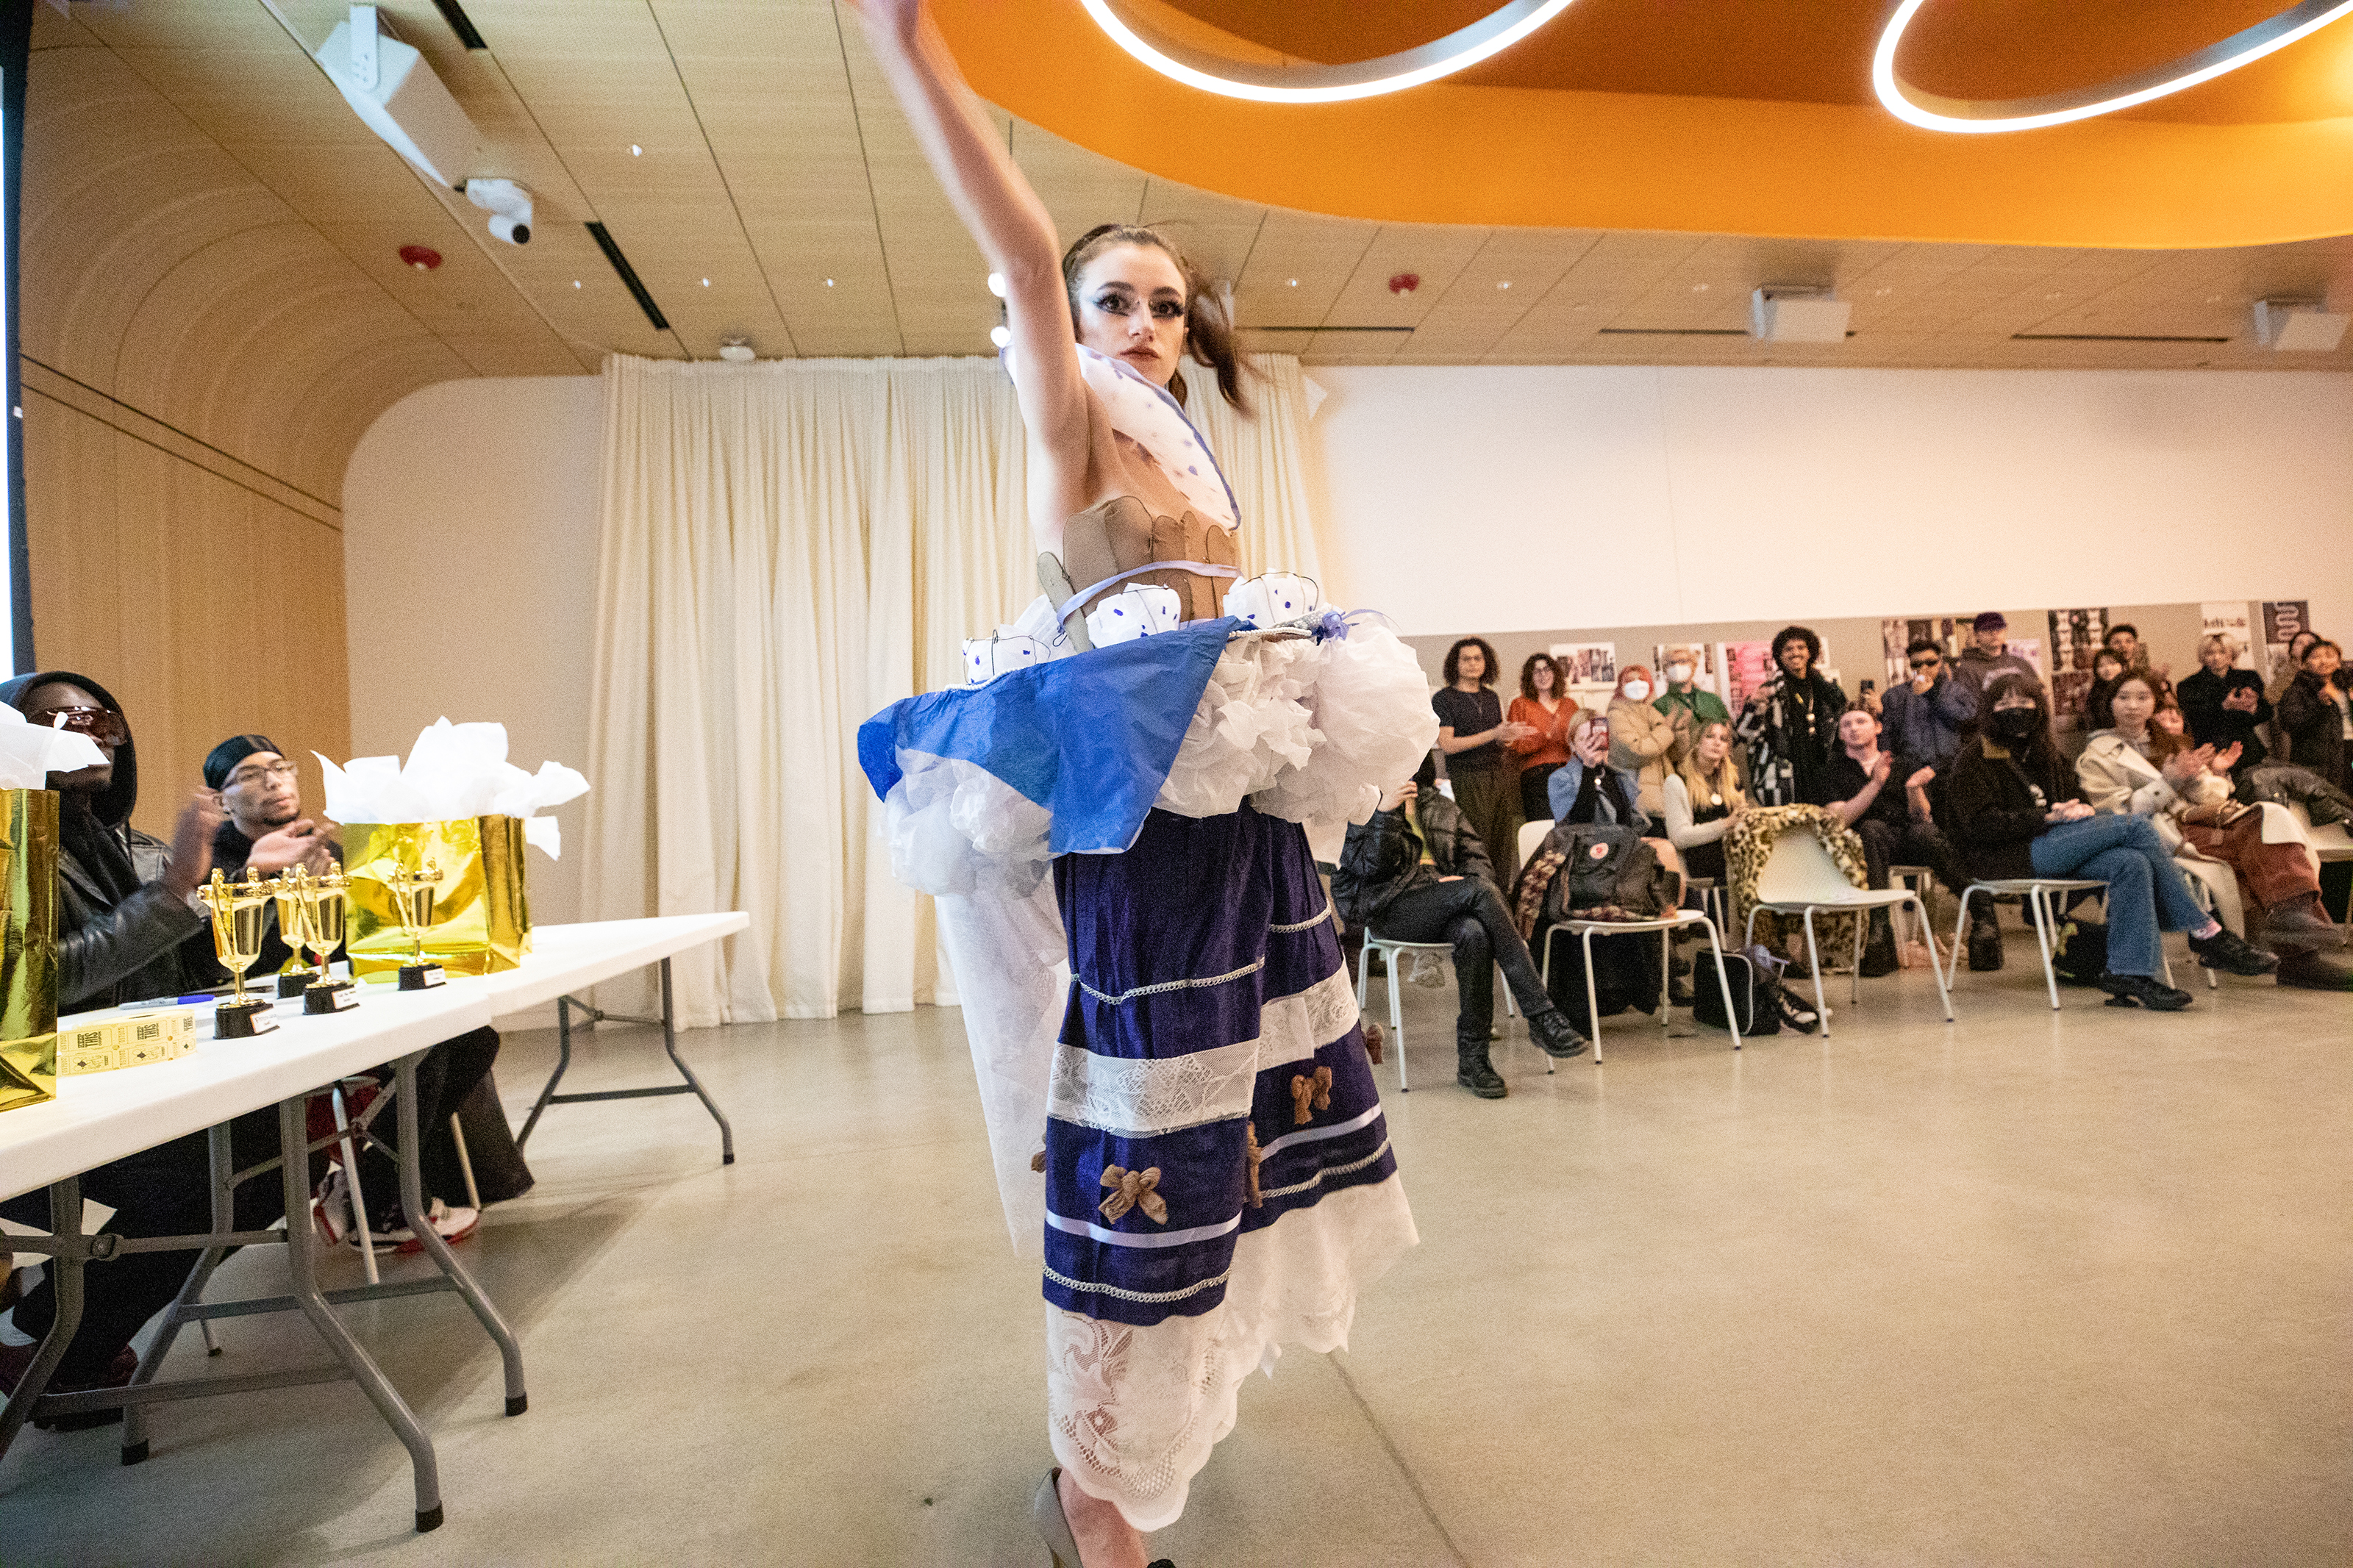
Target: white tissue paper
x: 985, y: 658
x: 1275, y: 598
x: 454, y: 771
x: 30, y: 752
x: 1138, y: 610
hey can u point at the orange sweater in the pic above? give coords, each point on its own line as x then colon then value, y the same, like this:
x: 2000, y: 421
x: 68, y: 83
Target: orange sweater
x: 1550, y: 743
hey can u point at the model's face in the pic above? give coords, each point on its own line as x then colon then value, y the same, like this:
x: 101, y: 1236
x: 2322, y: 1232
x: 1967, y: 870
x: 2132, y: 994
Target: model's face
x: 82, y: 711
x: 1131, y: 308
x: 1992, y: 642
x: 1858, y: 729
x: 2216, y: 659
x: 262, y: 790
x: 1470, y: 664
x: 1794, y: 658
x: 2132, y: 705
x: 2321, y: 661
x: 1715, y: 745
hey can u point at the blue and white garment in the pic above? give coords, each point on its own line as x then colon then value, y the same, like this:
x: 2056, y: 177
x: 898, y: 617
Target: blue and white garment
x: 1168, y: 1014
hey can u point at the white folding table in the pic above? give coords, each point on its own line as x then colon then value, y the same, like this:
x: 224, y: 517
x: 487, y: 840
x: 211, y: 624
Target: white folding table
x: 104, y: 1117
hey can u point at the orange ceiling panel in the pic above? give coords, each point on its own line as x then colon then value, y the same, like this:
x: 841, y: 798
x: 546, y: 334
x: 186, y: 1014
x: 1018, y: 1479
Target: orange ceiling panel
x: 1751, y: 119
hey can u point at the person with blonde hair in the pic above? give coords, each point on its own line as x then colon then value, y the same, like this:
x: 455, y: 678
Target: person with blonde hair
x: 2224, y: 705
x: 1703, y: 799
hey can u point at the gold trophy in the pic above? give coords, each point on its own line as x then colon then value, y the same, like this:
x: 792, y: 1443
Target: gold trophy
x: 240, y: 911
x: 295, y: 981
x: 412, y: 901
x: 326, y: 901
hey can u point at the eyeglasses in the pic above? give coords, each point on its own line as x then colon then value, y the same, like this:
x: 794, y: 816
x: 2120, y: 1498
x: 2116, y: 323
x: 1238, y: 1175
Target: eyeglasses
x: 1930, y: 663
x: 103, y: 725
x: 246, y: 776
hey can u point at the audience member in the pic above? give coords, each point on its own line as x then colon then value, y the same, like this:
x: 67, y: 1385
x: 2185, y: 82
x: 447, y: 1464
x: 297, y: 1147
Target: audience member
x: 1892, y: 818
x: 1925, y: 718
x: 1791, y: 725
x: 2184, y: 790
x: 2107, y: 668
x: 2225, y: 705
x: 1684, y: 694
x: 1987, y: 656
x: 1543, y: 708
x: 2314, y: 715
x: 1644, y: 742
x: 2016, y: 811
x: 2290, y: 667
x: 1702, y: 800
x: 1416, y: 872
x: 1473, y: 733
x: 2123, y: 641
x: 1589, y: 788
x: 264, y: 830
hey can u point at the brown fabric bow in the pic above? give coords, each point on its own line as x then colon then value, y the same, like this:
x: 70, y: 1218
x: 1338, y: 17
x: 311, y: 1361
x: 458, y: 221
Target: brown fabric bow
x: 1373, y: 1042
x: 1250, y: 1157
x: 1310, y: 1092
x: 1135, y: 1191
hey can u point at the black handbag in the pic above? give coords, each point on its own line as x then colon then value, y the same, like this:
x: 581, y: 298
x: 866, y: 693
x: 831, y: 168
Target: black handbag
x: 1757, y: 1006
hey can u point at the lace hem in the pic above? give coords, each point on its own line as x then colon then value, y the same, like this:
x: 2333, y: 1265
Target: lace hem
x: 1133, y: 1412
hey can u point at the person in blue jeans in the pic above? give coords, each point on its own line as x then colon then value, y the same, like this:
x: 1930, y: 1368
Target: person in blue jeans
x: 2015, y: 812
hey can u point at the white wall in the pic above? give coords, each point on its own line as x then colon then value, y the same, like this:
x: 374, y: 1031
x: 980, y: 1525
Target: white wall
x: 1590, y: 496
x: 470, y: 565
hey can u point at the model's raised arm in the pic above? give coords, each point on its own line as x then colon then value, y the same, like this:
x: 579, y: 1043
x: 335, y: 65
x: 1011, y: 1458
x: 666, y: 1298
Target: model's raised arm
x: 1003, y: 215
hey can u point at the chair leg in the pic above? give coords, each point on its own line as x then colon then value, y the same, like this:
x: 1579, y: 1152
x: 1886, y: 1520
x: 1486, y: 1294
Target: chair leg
x: 1397, y: 1015
x: 2040, y: 901
x: 1854, y: 962
x: 1503, y: 984
x: 1920, y: 917
x: 1364, y: 971
x: 1666, y: 974
x: 1814, y: 961
x: 1592, y: 1002
x: 352, y: 1182
x: 1723, y: 984
x: 465, y: 1164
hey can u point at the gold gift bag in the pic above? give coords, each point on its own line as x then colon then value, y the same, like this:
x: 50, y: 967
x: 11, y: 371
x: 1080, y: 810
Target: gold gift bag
x: 481, y: 916
x: 28, y: 948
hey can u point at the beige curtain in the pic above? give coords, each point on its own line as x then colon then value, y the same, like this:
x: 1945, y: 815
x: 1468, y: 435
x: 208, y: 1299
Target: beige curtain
x: 786, y: 548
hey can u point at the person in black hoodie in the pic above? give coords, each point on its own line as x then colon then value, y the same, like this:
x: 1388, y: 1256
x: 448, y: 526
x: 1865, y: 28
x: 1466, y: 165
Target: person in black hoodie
x: 2015, y: 811
x: 125, y: 911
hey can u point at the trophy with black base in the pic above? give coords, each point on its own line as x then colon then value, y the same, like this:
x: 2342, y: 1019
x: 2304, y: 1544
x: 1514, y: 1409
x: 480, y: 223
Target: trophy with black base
x: 294, y: 982
x: 326, y: 901
x: 239, y: 912
x: 412, y: 901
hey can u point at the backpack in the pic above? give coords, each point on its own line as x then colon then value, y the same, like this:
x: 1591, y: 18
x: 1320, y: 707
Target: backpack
x: 1753, y: 1004
x: 2079, y: 952
x: 1603, y: 867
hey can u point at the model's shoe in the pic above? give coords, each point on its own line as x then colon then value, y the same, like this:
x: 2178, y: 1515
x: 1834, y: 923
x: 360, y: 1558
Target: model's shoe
x: 1552, y: 1031
x: 2300, y: 924
x: 1879, y: 953
x: 2308, y: 971
x: 1474, y: 1073
x: 2146, y: 990
x: 1053, y: 1528
x: 331, y: 1208
x: 2227, y: 952
x: 1985, y: 941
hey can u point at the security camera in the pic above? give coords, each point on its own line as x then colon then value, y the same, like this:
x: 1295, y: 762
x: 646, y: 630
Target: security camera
x: 509, y: 205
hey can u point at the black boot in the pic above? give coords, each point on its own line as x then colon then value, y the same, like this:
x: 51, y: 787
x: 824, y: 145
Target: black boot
x: 1879, y: 952
x: 1474, y: 1073
x: 2309, y: 970
x: 2147, y: 990
x: 1984, y: 940
x: 2230, y: 952
x: 1551, y: 1030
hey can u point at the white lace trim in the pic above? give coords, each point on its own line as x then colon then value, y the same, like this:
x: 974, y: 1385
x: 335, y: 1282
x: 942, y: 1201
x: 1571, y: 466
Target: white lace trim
x: 1133, y: 1412
x: 1140, y: 1099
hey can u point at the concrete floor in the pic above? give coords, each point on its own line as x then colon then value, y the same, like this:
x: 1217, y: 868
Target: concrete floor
x: 2067, y: 1288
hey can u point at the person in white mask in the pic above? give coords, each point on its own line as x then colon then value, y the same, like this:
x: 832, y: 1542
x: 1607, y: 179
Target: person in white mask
x: 1688, y: 705
x: 1644, y: 742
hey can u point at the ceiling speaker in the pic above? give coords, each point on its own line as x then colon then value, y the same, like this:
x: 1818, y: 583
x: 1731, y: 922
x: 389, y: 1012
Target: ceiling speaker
x: 1797, y: 315
x: 2298, y: 326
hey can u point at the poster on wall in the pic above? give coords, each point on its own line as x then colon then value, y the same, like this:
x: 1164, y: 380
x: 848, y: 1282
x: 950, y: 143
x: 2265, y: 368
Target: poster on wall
x: 1586, y: 668
x: 2281, y: 619
x: 2076, y: 635
x: 1747, y: 666
x: 1896, y: 637
x: 1708, y: 677
x: 2230, y: 621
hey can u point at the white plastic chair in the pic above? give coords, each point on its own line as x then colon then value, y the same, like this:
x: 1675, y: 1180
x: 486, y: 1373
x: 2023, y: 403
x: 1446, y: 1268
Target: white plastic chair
x: 2037, y: 892
x: 1919, y: 879
x: 1388, y: 949
x: 1586, y: 930
x: 1531, y: 837
x: 1799, y: 878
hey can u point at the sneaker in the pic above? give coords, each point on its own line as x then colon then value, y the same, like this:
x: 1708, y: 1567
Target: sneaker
x: 331, y: 1207
x: 2146, y: 990
x: 2229, y: 951
x: 451, y: 1225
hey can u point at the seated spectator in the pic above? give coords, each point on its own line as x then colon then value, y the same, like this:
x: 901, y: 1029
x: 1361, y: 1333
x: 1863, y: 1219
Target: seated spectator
x: 264, y: 830
x: 1925, y: 718
x: 1473, y: 733
x: 2136, y: 769
x: 2314, y: 715
x: 1987, y: 656
x: 1791, y: 725
x: 1543, y: 708
x: 1702, y: 800
x: 1892, y: 818
x: 2107, y: 668
x: 2016, y: 811
x: 2225, y: 705
x: 1416, y: 872
x: 1589, y: 789
x: 1645, y: 743
x: 1685, y: 695
x: 2290, y: 667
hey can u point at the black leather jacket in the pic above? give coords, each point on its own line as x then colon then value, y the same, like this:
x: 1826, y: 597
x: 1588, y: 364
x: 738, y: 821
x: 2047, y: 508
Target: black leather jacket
x: 1382, y: 857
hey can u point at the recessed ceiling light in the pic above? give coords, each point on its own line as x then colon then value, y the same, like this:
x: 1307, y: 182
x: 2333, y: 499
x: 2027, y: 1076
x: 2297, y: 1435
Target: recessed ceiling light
x: 1699, y: 288
x: 576, y: 282
x: 636, y: 150
x: 828, y: 282
x: 706, y: 283
x: 1883, y: 292
x: 2055, y: 294
x: 1505, y: 284
x: 1295, y: 283
x: 1000, y: 336
x: 997, y: 284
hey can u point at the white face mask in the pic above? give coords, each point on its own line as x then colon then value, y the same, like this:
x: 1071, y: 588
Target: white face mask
x: 1637, y: 691
x: 1678, y: 673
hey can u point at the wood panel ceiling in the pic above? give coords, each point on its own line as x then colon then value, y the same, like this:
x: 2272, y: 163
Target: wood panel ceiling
x: 211, y: 236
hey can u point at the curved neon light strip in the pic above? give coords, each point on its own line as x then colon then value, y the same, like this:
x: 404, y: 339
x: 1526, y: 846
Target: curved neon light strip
x: 1978, y: 116
x: 1489, y: 36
